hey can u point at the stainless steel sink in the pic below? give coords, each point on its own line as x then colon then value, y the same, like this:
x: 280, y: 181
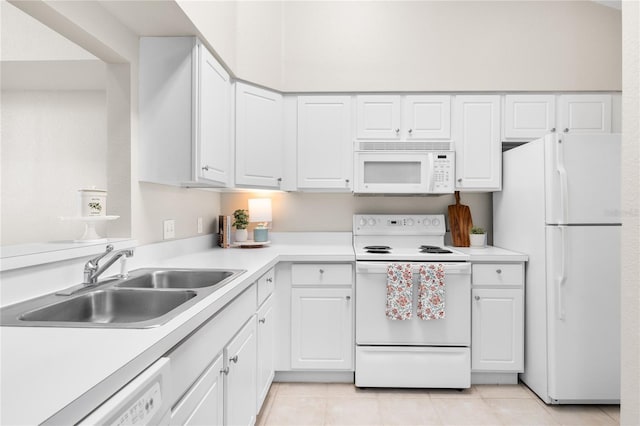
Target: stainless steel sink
x: 146, y: 298
x: 178, y: 278
x: 111, y: 306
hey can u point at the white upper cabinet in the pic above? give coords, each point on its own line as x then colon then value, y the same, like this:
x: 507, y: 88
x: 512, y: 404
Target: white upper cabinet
x: 477, y: 143
x: 184, y: 111
x: 214, y: 125
x: 426, y: 117
x: 528, y: 117
x: 395, y: 117
x: 324, y: 143
x: 259, y: 137
x: 584, y: 113
x: 378, y: 117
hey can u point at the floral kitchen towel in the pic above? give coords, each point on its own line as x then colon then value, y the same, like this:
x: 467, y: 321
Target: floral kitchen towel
x: 431, y: 292
x: 399, y: 291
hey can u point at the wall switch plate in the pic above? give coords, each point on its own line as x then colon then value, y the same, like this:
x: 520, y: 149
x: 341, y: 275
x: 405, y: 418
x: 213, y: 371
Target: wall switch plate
x: 169, y: 229
x: 200, y: 225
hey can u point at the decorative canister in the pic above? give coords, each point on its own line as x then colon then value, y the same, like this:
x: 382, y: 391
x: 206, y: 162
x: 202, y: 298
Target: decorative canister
x: 93, y: 202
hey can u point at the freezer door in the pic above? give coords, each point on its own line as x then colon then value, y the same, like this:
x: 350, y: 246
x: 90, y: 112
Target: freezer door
x: 582, y: 178
x: 583, y: 309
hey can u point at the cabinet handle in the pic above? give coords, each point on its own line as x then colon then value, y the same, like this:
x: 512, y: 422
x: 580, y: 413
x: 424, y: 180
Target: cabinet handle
x: 225, y: 371
x: 269, y: 280
x: 477, y: 297
x: 279, y: 181
x: 410, y: 131
x: 322, y: 271
x: 206, y: 168
x: 262, y: 320
x: 459, y: 180
x: 348, y: 298
x: 234, y: 359
x: 347, y: 181
x: 397, y: 131
x: 553, y: 130
x: 566, y: 130
x: 498, y: 271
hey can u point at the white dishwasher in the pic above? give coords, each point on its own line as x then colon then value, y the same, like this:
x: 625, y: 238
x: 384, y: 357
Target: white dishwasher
x: 143, y: 401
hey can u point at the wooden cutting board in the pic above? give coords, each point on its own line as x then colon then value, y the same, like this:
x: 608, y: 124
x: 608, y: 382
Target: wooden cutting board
x: 460, y: 223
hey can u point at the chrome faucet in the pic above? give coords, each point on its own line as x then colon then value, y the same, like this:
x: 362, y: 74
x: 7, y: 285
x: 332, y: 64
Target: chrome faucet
x: 92, y: 270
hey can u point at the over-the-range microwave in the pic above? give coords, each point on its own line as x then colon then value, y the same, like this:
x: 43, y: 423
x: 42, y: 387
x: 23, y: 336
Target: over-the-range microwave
x: 404, y: 172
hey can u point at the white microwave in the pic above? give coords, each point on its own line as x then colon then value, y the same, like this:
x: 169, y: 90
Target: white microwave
x: 404, y: 172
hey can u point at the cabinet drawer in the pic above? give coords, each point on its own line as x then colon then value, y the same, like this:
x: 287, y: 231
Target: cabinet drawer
x: 497, y: 274
x: 321, y: 274
x: 266, y: 284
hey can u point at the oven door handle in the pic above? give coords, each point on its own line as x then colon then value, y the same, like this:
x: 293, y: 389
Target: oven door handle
x: 461, y: 268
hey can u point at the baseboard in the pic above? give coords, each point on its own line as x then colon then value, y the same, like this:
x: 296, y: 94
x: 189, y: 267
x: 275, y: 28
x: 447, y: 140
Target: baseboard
x: 314, y: 376
x: 494, y: 378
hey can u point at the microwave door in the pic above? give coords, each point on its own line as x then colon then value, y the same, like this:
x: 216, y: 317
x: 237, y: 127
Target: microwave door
x: 391, y: 173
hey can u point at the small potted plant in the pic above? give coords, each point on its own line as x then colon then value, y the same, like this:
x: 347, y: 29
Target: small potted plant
x: 477, y: 236
x: 240, y: 222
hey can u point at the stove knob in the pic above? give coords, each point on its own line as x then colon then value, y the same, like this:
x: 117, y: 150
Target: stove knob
x: 363, y: 221
x: 426, y: 221
x: 409, y: 222
x: 372, y: 222
x: 435, y: 222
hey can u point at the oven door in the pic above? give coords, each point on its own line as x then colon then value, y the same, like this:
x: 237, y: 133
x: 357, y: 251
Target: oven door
x: 374, y: 328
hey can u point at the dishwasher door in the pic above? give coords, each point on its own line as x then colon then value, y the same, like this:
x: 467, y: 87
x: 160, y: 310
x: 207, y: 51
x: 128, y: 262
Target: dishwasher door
x: 143, y: 401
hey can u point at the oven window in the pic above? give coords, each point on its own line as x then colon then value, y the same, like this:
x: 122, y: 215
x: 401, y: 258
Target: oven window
x: 382, y: 172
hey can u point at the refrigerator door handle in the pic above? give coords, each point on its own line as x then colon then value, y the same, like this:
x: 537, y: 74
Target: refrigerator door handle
x: 561, y: 279
x: 564, y: 184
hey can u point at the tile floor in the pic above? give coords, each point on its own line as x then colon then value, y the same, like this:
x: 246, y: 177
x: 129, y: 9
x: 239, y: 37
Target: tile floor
x: 343, y: 404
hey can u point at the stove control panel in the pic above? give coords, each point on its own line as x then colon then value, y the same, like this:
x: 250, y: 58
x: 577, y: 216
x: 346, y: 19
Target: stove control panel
x: 383, y: 224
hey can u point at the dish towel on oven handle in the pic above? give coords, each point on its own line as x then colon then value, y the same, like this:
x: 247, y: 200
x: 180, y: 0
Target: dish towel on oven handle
x: 431, y: 292
x: 399, y: 291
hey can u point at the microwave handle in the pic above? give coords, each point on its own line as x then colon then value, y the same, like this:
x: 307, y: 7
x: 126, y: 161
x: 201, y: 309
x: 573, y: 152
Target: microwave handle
x: 430, y: 172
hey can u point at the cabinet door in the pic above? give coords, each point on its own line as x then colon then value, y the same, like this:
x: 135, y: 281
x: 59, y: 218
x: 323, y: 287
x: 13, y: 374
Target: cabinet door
x: 321, y: 328
x: 203, y: 404
x: 585, y: 113
x: 213, y: 124
x: 240, y: 385
x: 477, y: 142
x: 529, y: 116
x: 324, y: 142
x: 378, y: 117
x: 266, y: 326
x: 497, y: 330
x: 427, y: 117
x: 259, y: 141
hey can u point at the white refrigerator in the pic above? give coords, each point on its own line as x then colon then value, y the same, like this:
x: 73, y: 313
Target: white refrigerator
x: 560, y: 204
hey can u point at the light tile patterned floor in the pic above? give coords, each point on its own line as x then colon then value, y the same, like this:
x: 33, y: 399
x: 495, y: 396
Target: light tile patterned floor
x: 302, y: 404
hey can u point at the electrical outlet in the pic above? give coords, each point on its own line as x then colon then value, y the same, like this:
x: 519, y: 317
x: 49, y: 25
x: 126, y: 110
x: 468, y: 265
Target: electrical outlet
x: 169, y: 229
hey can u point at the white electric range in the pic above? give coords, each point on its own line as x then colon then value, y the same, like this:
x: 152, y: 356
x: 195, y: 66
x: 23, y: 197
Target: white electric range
x: 411, y: 353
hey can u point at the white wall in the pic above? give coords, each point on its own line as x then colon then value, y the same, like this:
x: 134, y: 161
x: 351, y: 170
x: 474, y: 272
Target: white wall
x: 90, y: 26
x: 450, y: 46
x: 53, y: 143
x: 294, y: 212
x: 630, y: 412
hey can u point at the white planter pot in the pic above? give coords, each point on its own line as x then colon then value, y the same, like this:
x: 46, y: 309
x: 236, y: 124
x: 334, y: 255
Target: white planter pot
x: 241, y: 235
x: 477, y: 240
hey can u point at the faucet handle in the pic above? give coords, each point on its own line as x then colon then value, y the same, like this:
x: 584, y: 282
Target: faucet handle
x: 94, y: 261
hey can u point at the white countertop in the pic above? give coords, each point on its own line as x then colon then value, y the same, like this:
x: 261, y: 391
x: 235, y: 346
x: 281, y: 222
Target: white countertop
x: 492, y: 254
x: 47, y: 371
x: 60, y: 374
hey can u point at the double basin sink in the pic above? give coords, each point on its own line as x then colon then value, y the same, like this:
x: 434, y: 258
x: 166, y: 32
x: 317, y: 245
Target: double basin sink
x: 145, y: 298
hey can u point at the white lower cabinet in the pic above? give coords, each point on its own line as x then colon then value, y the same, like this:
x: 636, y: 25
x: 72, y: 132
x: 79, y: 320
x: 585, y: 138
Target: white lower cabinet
x: 203, y: 404
x: 321, y: 328
x: 265, y: 369
x: 240, y: 377
x: 497, y: 330
x: 497, y: 318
